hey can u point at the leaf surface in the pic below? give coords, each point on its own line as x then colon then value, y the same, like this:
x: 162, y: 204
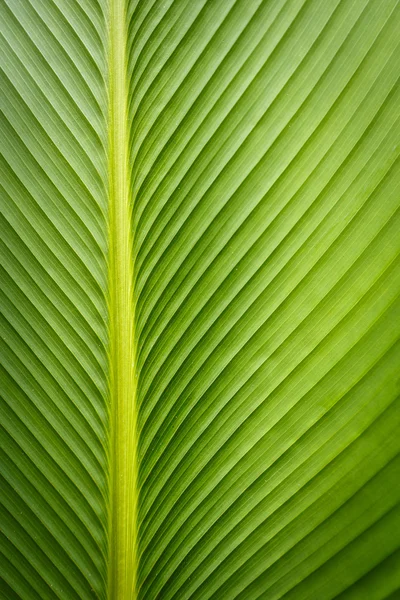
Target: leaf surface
x: 200, y: 299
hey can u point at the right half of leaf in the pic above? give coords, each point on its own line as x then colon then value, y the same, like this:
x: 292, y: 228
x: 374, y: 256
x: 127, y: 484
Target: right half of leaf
x: 264, y: 145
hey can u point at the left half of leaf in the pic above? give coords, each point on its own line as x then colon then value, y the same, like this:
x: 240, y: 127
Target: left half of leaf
x: 54, y: 444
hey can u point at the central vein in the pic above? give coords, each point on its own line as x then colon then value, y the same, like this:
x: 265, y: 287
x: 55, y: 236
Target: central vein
x: 122, y: 570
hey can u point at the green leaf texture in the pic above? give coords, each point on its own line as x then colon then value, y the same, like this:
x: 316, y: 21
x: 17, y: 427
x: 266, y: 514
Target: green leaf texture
x: 200, y: 293
x: 54, y: 199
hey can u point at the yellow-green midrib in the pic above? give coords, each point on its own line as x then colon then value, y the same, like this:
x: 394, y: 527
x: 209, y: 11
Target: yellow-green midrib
x: 122, y: 564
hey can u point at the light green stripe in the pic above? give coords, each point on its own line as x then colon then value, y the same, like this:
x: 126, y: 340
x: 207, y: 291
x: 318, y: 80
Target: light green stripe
x: 122, y: 565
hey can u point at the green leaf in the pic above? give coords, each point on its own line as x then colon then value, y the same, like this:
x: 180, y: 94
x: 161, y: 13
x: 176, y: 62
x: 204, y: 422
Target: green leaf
x: 200, y: 298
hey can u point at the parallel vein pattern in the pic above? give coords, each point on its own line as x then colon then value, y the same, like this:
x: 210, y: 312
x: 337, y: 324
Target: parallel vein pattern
x: 265, y: 178
x: 240, y: 341
x: 54, y: 342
